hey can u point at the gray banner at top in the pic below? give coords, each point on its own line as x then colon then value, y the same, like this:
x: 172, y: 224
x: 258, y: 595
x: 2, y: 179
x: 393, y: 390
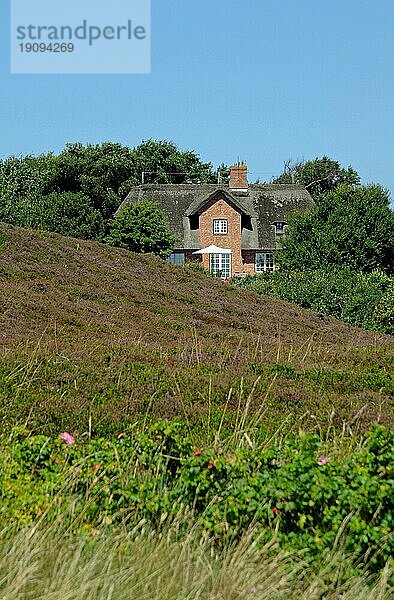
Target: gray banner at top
x: 80, y: 36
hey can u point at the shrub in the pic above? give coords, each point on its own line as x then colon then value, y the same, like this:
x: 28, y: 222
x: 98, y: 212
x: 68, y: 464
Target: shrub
x: 67, y: 213
x: 383, y: 315
x: 141, y: 227
x: 350, y: 225
x: 362, y: 299
x: 304, y: 493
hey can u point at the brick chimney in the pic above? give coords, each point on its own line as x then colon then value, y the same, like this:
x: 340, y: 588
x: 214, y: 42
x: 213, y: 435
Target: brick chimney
x: 239, y: 177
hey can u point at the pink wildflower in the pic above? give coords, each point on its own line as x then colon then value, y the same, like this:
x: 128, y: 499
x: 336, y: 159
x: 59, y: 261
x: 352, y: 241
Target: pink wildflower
x: 67, y: 438
x: 95, y: 468
x: 322, y: 460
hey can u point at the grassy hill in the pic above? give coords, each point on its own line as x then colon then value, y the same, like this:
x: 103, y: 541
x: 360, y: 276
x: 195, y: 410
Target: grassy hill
x: 93, y: 338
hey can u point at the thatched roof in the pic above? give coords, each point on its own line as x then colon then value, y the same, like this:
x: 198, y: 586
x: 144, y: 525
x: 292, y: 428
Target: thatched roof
x: 262, y: 204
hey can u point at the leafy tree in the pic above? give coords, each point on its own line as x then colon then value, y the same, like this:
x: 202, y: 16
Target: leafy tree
x: 163, y: 162
x: 141, y: 227
x: 222, y: 174
x: 67, y: 213
x: 97, y: 171
x: 351, y: 226
x: 27, y: 177
x: 318, y: 176
x: 104, y: 173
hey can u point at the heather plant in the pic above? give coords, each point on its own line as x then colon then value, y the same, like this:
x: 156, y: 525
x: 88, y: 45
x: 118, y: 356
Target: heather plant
x: 95, y: 338
x: 161, y: 454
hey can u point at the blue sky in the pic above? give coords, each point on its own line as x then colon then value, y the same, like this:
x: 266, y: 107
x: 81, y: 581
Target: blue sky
x: 259, y: 80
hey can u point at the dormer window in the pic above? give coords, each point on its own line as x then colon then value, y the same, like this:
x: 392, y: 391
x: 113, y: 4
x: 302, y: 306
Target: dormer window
x: 220, y: 226
x: 279, y: 227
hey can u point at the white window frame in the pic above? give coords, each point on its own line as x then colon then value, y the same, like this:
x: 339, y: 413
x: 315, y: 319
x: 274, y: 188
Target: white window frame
x: 220, y: 265
x: 282, y: 229
x: 220, y: 226
x: 264, y: 262
x: 176, y: 258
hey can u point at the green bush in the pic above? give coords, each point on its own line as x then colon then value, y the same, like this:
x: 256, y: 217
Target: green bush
x: 362, y: 299
x: 383, y: 315
x: 68, y: 213
x: 303, y: 494
x: 197, y: 267
x: 141, y: 227
x: 349, y: 225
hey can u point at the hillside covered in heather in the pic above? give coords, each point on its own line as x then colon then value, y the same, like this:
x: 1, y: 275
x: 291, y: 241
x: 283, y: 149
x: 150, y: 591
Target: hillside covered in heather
x: 93, y: 334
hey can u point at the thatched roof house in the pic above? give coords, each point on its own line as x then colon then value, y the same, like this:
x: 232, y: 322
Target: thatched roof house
x: 248, y: 219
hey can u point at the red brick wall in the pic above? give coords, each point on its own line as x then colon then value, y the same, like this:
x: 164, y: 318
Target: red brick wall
x: 241, y: 261
x: 220, y: 209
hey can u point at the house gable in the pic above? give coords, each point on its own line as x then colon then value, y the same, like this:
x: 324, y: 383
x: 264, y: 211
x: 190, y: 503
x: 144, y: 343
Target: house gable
x: 220, y: 224
x: 219, y: 194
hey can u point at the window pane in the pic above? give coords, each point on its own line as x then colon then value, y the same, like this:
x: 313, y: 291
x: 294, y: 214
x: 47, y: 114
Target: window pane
x: 214, y: 264
x: 176, y: 258
x: 269, y: 262
x: 280, y: 227
x: 264, y: 262
x: 220, y: 265
x: 259, y: 262
x: 220, y: 226
x: 226, y: 265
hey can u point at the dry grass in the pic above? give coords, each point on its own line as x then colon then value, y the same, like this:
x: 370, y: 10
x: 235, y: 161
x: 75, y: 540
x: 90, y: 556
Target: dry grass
x: 49, y: 561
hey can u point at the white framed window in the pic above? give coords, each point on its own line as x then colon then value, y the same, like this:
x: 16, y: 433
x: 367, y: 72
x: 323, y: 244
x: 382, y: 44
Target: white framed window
x: 280, y: 227
x: 220, y: 265
x: 220, y: 226
x: 176, y: 258
x: 264, y: 262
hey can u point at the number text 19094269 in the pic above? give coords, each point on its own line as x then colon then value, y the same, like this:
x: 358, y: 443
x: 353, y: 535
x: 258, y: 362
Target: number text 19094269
x: 41, y: 47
